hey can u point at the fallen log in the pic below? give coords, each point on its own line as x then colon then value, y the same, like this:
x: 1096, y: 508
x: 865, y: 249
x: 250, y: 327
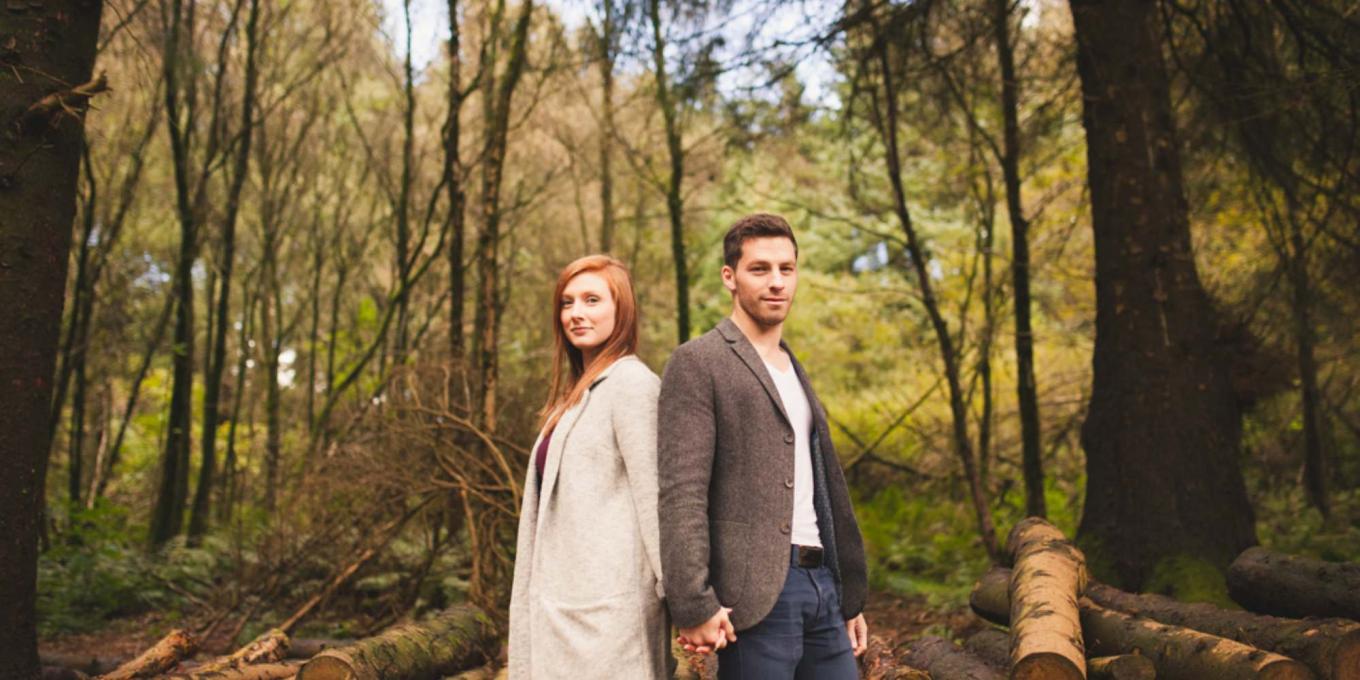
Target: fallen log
x: 1287, y: 585
x: 1049, y: 576
x: 1178, y: 653
x: 269, y: 647
x: 263, y: 671
x: 1331, y: 647
x: 992, y: 645
x: 306, y: 648
x: 454, y: 641
x: 943, y: 660
x: 159, y: 659
x: 1181, y: 653
x: 61, y: 673
x: 1120, y: 667
x: 877, y: 663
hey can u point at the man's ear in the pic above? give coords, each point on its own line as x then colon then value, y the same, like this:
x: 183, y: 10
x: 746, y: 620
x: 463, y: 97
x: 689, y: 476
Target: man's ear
x: 729, y: 279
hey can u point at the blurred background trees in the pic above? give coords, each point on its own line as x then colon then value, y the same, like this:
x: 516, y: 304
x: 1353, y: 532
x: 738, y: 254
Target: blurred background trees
x: 1101, y: 270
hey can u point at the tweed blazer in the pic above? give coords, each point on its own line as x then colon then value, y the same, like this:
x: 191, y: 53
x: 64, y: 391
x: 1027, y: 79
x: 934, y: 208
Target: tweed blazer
x: 586, y: 600
x: 725, y: 449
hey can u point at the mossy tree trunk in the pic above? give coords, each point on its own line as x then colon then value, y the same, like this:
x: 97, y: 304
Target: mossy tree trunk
x: 1162, y: 434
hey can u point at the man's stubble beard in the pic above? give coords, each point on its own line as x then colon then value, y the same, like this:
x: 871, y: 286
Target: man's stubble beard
x: 754, y: 310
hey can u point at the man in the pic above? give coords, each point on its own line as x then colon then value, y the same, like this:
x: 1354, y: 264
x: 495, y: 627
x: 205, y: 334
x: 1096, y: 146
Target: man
x: 762, y: 557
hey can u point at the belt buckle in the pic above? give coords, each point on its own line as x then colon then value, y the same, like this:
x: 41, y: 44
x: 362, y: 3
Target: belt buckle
x: 809, y: 557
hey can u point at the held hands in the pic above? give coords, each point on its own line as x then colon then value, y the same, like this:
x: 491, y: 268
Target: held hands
x: 858, y: 630
x: 709, y: 636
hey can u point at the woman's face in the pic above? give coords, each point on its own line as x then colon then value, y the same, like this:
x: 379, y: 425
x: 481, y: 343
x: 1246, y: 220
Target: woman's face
x: 586, y: 312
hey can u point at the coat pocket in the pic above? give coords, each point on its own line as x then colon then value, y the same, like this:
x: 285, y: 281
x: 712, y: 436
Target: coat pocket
x: 600, y: 639
x: 729, y: 555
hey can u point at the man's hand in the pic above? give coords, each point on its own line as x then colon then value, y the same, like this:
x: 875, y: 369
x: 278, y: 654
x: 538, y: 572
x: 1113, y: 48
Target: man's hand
x: 858, y: 630
x: 709, y: 636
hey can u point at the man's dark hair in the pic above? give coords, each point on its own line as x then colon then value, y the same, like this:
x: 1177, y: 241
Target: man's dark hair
x: 756, y: 225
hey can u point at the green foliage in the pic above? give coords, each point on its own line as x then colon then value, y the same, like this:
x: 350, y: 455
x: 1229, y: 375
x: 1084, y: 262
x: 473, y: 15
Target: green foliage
x: 918, y: 545
x: 98, y: 570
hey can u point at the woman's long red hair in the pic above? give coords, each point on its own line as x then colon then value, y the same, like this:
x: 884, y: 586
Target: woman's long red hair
x: 570, y: 376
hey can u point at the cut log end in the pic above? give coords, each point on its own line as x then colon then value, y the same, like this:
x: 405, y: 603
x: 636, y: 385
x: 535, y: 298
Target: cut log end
x: 1347, y: 659
x: 1122, y: 667
x: 1286, y: 669
x: 325, y: 668
x: 1046, y: 666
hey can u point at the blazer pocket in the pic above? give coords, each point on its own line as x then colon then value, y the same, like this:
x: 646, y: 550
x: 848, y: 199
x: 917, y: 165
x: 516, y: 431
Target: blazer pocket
x: 729, y: 557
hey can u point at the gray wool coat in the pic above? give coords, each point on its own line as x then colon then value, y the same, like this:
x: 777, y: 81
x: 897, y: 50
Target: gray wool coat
x: 726, y: 484
x: 587, y: 595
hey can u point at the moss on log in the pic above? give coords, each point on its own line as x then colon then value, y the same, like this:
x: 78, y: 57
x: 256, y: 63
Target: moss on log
x: 1181, y: 653
x: 1331, y: 647
x: 943, y: 660
x: 1049, y: 576
x: 453, y: 641
x: 1287, y: 585
x: 159, y: 659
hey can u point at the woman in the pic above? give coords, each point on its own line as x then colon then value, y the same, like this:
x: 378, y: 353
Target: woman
x: 586, y: 601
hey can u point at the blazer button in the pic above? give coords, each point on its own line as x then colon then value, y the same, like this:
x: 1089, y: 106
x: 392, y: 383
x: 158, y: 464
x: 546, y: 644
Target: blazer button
x: 788, y: 438
x: 784, y: 529
x: 788, y: 483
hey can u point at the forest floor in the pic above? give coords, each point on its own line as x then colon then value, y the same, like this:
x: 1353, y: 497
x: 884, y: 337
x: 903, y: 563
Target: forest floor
x: 893, y: 617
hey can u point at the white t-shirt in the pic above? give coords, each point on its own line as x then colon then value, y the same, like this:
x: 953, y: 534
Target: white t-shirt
x: 800, y: 415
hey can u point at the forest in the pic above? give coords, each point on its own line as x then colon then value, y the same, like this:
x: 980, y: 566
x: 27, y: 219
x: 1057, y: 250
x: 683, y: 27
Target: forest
x: 1078, y: 290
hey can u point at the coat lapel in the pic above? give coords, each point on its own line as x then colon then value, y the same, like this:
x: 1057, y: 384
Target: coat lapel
x: 557, y: 445
x: 744, y: 349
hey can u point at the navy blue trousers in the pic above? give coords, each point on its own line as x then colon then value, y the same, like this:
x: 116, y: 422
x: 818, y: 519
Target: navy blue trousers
x: 802, y: 638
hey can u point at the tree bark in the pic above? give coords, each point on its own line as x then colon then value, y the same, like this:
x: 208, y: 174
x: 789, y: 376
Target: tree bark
x: 1331, y: 647
x: 1287, y: 585
x: 1162, y: 434
x: 159, y: 659
x: 456, y: 640
x: 1049, y: 576
x: 1120, y: 667
x: 39, y: 166
x: 945, y: 661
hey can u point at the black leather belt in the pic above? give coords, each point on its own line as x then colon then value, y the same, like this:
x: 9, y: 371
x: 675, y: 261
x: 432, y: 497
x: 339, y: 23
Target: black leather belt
x: 808, y: 556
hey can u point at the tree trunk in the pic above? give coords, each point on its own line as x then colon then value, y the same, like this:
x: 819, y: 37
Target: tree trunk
x: 168, y: 516
x: 455, y: 640
x: 159, y: 659
x: 885, y: 119
x: 676, y: 152
x: 1331, y: 647
x: 945, y: 661
x: 1286, y: 585
x: 607, y: 37
x: 1049, y: 576
x: 1162, y: 434
x: 39, y: 165
x: 1025, y: 385
x: 212, y: 383
x: 454, y: 177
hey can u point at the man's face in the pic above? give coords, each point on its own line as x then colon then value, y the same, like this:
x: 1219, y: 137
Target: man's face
x: 764, y: 279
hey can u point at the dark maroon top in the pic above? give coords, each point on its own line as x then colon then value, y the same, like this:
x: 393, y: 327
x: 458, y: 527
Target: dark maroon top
x: 541, y: 456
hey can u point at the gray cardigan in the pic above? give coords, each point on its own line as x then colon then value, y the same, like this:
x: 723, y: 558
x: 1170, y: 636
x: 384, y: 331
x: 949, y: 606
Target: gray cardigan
x: 725, y: 450
x: 587, y: 596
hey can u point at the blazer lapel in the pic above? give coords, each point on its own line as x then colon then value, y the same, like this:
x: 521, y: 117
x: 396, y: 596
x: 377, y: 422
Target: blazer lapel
x: 744, y: 349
